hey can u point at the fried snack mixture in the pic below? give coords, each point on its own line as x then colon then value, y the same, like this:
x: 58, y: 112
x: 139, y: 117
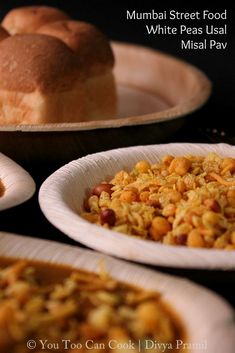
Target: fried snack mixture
x: 186, y: 200
x: 82, y: 308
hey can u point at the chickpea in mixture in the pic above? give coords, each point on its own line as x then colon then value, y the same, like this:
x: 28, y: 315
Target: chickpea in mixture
x: 182, y: 200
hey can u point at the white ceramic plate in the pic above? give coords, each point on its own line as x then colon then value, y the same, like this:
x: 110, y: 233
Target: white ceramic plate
x: 62, y: 194
x: 208, y: 319
x: 18, y: 184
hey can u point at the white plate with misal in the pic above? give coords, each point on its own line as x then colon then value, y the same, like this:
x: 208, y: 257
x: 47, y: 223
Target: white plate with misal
x: 188, y: 214
x: 117, y: 291
x: 16, y: 185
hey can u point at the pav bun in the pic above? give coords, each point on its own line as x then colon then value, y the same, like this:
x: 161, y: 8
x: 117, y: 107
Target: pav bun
x: 28, y: 19
x: 90, y: 45
x: 54, y: 70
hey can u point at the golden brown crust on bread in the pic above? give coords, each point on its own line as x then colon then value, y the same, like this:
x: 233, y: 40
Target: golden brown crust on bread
x: 30, y: 62
x: 29, y: 18
x: 91, y: 46
x: 3, y: 33
x: 60, y: 73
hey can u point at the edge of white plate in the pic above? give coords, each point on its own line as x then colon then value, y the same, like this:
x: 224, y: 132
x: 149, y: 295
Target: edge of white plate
x: 207, y: 317
x: 61, y: 198
x: 19, y: 185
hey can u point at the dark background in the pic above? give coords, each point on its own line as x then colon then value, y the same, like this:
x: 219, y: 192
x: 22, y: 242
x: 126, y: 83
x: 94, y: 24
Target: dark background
x: 213, y: 123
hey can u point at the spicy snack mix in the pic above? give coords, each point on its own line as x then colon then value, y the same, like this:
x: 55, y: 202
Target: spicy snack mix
x: 54, y: 308
x: 185, y: 200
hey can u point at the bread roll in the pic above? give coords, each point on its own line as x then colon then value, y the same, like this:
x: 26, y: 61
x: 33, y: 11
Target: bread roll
x: 90, y: 45
x: 95, y: 58
x: 29, y: 18
x: 41, y: 82
x: 3, y: 33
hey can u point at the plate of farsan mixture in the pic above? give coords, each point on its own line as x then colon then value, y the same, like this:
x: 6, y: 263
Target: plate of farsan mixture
x: 169, y: 205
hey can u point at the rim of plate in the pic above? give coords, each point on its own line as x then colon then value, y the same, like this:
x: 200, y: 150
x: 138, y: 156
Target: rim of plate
x: 60, y: 204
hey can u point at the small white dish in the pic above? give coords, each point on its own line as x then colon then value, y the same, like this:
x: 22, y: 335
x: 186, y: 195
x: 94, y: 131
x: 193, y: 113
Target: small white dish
x: 61, y: 199
x: 18, y: 184
x: 209, y: 320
